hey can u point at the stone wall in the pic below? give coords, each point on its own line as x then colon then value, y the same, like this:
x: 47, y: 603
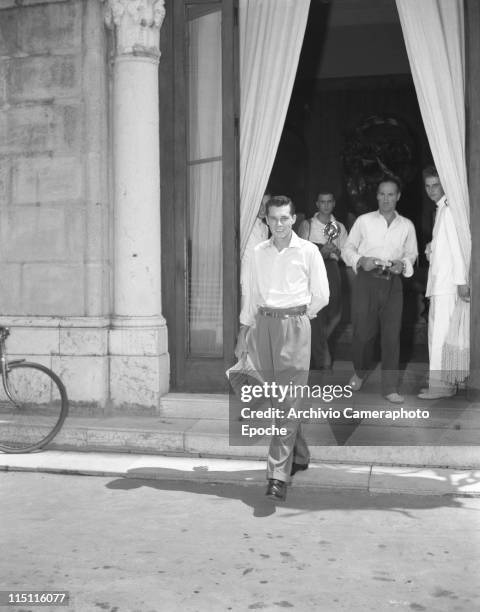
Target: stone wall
x: 54, y: 205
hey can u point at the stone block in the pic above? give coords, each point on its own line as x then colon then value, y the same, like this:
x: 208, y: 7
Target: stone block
x: 4, y: 182
x: 83, y: 341
x: 97, y: 179
x: 97, y: 233
x: 85, y: 377
x: 10, y: 287
x: 169, y: 440
x: 50, y: 26
x: 69, y: 116
x: 43, y: 77
x: 33, y: 341
x: 211, y: 437
x: 40, y: 128
x: 42, y: 233
x: 97, y: 298
x: 140, y: 341
x: 52, y: 289
x: 135, y: 381
x: 9, y: 20
x: 28, y: 129
x: 3, y: 80
x: 46, y: 180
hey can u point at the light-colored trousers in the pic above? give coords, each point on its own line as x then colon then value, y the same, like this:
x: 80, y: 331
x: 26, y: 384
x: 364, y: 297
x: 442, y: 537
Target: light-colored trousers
x: 439, y: 316
x: 282, y: 353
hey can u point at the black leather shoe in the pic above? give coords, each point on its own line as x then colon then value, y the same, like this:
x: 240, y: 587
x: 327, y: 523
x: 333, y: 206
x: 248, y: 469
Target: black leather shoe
x: 276, y: 490
x: 298, y: 467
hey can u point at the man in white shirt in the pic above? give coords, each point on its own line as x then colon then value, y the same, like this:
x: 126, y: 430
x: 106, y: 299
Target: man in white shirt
x: 447, y: 282
x: 287, y: 287
x: 381, y: 246
x: 314, y: 229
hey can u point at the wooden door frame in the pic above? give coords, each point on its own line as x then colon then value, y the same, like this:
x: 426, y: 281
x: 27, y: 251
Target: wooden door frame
x: 472, y: 100
x: 187, y: 373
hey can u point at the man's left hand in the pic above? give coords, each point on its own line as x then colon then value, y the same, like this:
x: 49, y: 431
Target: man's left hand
x: 241, y: 347
x: 396, y: 267
x: 463, y: 292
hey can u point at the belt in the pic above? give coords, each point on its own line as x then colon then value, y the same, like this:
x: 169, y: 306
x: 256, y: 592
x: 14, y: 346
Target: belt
x: 282, y: 313
x: 382, y: 275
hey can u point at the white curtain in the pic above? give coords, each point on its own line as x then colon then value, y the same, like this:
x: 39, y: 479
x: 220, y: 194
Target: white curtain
x: 271, y: 37
x: 435, y: 41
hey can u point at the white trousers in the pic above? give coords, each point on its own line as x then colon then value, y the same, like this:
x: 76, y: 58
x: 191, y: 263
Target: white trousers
x: 439, y: 316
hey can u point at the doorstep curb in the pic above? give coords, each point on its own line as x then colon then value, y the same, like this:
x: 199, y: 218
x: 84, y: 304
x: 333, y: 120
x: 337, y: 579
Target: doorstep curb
x: 373, y: 479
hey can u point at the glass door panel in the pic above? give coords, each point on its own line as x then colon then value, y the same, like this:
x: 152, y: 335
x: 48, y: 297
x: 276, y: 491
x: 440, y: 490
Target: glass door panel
x: 204, y: 181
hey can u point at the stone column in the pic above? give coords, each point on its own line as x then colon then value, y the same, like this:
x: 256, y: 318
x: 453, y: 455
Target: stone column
x: 138, y: 339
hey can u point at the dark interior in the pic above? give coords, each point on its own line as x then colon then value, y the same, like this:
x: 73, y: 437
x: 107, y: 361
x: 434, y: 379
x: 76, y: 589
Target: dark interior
x: 353, y: 113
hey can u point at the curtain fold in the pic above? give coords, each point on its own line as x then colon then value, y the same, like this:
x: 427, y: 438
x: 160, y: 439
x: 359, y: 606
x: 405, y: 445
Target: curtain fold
x: 435, y: 42
x: 271, y: 37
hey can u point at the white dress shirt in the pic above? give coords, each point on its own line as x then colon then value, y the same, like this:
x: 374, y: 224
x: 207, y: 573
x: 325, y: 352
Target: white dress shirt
x: 291, y: 277
x: 371, y: 236
x: 447, y: 269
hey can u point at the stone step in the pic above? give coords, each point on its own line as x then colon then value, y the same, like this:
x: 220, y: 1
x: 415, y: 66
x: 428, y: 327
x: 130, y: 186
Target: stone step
x: 216, y: 405
x: 451, y: 441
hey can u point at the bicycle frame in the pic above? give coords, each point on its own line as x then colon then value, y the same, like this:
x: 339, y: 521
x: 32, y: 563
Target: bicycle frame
x: 4, y: 333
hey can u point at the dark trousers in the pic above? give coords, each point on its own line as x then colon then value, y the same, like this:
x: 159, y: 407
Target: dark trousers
x: 328, y: 318
x: 377, y: 306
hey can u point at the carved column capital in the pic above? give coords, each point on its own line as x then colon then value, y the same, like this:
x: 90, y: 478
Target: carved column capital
x: 137, y: 24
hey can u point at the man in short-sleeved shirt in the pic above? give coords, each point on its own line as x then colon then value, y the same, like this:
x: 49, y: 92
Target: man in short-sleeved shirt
x: 381, y: 246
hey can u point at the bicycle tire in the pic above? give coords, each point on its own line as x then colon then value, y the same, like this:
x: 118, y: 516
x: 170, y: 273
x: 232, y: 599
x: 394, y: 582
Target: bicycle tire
x: 40, y: 408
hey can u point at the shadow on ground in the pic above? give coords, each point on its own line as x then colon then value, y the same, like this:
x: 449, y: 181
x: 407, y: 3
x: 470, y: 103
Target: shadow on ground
x: 299, y: 500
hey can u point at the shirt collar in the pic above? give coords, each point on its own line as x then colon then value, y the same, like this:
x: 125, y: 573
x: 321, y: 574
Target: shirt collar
x: 332, y: 218
x: 379, y: 214
x: 294, y: 242
x: 442, y: 202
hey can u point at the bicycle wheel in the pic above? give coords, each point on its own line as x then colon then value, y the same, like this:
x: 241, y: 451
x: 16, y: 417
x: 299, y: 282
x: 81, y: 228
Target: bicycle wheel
x: 38, y: 411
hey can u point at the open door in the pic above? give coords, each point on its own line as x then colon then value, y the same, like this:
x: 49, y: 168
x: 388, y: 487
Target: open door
x: 200, y: 210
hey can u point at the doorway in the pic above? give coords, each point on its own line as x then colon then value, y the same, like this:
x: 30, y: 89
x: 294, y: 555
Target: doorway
x: 357, y: 71
x: 199, y: 143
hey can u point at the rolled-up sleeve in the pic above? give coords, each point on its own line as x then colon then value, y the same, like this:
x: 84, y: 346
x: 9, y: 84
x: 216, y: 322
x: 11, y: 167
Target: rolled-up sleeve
x: 350, y: 254
x: 410, y: 250
x: 319, y: 288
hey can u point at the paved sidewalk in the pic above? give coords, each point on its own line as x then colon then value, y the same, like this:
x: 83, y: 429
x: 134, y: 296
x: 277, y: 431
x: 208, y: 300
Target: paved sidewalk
x: 366, y: 478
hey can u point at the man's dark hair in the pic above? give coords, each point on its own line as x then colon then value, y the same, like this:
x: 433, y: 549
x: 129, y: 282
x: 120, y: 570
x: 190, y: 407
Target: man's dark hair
x: 325, y: 190
x: 429, y: 171
x: 277, y: 201
x: 391, y: 178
